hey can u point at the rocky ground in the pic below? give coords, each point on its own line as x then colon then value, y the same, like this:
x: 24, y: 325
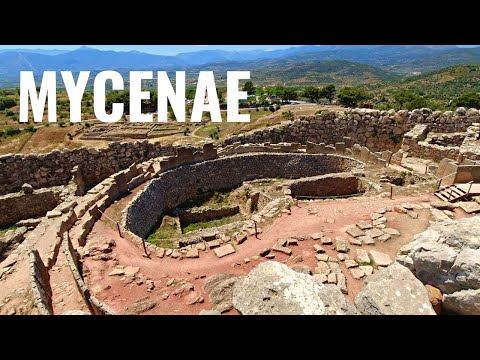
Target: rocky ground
x: 339, y: 242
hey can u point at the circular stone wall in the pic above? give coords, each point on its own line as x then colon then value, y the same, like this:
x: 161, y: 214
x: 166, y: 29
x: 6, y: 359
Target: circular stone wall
x: 176, y: 186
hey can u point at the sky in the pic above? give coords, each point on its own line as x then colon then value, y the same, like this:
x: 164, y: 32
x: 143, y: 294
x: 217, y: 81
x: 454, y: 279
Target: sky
x: 161, y: 49
x: 153, y: 49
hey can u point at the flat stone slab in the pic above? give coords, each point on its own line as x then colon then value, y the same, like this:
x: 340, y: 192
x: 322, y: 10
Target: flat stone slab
x: 391, y: 231
x: 350, y: 263
x: 282, y: 249
x: 413, y: 214
x: 320, y: 278
x: 341, y: 244
x: 213, y: 244
x: 224, y: 250
x: 318, y: 249
x: 212, y: 235
x: 367, y: 269
x: 379, y: 221
x: 407, y: 206
x: 367, y: 240
x: 131, y: 270
x: 400, y: 209
x: 381, y: 211
x: 375, y: 216
x: 379, y: 258
x: 322, y: 268
x: 332, y: 278
x: 54, y: 213
x: 342, y: 283
x: 317, y: 236
x: 356, y: 241
x: 342, y: 256
x: 364, y: 225
x: 192, y: 253
x: 357, y: 273
x: 438, y: 215
x: 326, y: 241
x: 469, y: 206
x: 374, y: 233
x: 384, y: 237
x: 117, y: 272
x: 362, y: 257
x: 292, y: 241
x: 322, y: 257
x: 354, y: 231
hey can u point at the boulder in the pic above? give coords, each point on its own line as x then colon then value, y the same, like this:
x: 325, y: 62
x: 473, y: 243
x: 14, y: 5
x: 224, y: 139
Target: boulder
x: 465, y: 302
x: 393, y: 290
x: 447, y: 255
x: 272, y: 288
x: 27, y: 188
x: 220, y: 290
x: 436, y: 298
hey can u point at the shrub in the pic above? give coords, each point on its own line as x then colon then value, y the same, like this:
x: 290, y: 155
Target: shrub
x: 288, y: 115
x: 30, y: 128
x: 9, y: 131
x: 271, y: 108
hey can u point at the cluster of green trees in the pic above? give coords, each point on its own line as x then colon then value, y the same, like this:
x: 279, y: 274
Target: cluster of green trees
x: 314, y: 94
x: 7, y: 102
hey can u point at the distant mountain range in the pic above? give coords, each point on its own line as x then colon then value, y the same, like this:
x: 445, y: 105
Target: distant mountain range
x: 297, y: 65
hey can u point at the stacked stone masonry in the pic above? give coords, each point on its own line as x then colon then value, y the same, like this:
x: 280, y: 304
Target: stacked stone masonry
x: 54, y: 168
x: 163, y: 193
x: 458, y: 146
x: 377, y: 130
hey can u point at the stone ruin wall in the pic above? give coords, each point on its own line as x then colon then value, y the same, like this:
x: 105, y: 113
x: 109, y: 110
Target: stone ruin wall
x: 54, y: 168
x: 462, y: 147
x: 163, y: 193
x: 18, y: 206
x: 377, y: 130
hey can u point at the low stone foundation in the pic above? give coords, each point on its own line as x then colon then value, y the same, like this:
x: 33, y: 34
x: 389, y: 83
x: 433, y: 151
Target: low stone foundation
x: 19, y: 206
x: 204, y: 214
x: 174, y: 187
x: 327, y: 185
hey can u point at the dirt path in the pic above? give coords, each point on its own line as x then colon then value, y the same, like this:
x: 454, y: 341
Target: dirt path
x: 65, y: 294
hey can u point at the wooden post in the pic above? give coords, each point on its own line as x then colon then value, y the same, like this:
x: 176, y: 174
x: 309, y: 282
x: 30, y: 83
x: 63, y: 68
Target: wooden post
x: 469, y: 188
x: 119, y: 232
x: 145, y: 249
x: 426, y: 169
x: 391, y: 192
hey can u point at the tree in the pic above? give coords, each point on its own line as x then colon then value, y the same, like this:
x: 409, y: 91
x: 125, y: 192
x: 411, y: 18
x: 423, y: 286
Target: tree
x: 409, y: 100
x: 288, y: 115
x: 249, y: 88
x: 328, y: 92
x: 312, y: 93
x: 7, y: 102
x: 468, y: 100
x: 288, y: 94
x: 350, y: 96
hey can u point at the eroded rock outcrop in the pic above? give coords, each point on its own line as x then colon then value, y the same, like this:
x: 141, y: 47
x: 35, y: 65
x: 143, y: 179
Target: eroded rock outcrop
x: 447, y: 256
x: 393, y: 290
x: 272, y: 288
